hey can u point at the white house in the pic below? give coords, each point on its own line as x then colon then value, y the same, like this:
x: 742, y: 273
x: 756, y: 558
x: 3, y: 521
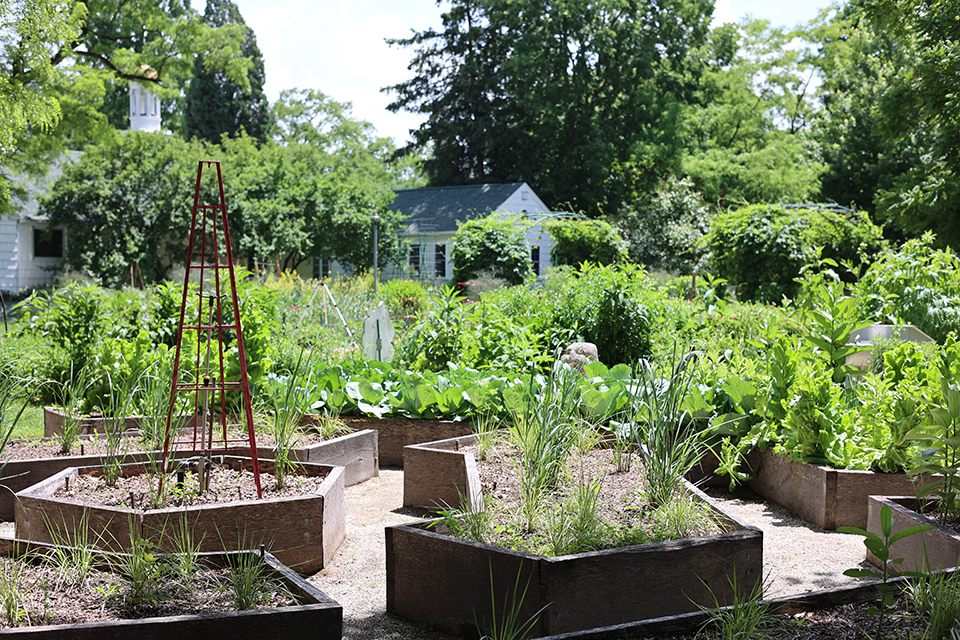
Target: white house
x: 31, y: 254
x: 434, y: 213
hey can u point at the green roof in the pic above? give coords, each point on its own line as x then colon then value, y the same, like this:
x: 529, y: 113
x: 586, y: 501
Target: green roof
x: 439, y: 209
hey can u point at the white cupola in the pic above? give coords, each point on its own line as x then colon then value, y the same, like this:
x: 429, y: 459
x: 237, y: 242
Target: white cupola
x: 144, y: 106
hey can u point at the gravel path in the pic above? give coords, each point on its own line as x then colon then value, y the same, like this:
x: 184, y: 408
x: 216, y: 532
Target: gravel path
x: 798, y: 557
x: 357, y: 576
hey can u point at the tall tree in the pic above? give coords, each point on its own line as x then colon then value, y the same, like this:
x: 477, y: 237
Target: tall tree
x: 29, y: 31
x: 922, y: 110
x: 579, y: 97
x: 126, y: 204
x: 858, y: 65
x: 746, y: 133
x: 216, y: 104
x: 60, y: 58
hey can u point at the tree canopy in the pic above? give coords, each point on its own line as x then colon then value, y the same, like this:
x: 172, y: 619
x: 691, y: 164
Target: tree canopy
x: 62, y: 58
x: 216, y: 104
x: 127, y: 202
x: 581, y: 98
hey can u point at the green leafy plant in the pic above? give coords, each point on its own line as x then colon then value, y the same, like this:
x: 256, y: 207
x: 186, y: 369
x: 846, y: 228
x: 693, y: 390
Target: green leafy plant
x: 684, y: 516
x: 287, y: 406
x: 140, y: 567
x: 937, y: 598
x: 831, y: 318
x: 544, y: 428
x: 248, y: 580
x: 183, y: 556
x: 472, y: 523
x: 943, y: 428
x: 74, y: 553
x: 435, y: 340
x: 577, y: 240
x: 494, y: 243
x: 879, y: 546
x: 73, y: 394
x: 576, y: 525
x: 120, y: 401
x: 14, y: 592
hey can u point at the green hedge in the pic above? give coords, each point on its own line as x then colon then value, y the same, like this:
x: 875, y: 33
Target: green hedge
x: 763, y: 248
x: 577, y: 240
x: 493, y: 244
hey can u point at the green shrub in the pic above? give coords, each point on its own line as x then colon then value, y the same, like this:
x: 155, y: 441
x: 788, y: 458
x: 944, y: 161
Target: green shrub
x: 492, y: 244
x: 916, y: 285
x: 664, y: 231
x: 763, y: 248
x: 611, y: 306
x: 72, y: 316
x: 404, y: 298
x: 577, y: 240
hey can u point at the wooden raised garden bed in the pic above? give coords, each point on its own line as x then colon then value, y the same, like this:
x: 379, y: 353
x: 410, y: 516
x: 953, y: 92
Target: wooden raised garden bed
x: 445, y: 581
x: 938, y: 548
x: 355, y: 451
x: 396, y: 433
x: 303, y: 532
x: 827, y: 497
x: 315, y: 616
x: 440, y: 474
x: 18, y: 474
x: 53, y: 419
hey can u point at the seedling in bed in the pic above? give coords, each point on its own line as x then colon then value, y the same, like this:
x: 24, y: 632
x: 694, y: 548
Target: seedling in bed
x: 880, y: 548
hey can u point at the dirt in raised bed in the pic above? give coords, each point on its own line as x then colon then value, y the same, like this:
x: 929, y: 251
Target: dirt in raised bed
x: 90, y: 445
x: 226, y: 485
x: 50, y: 594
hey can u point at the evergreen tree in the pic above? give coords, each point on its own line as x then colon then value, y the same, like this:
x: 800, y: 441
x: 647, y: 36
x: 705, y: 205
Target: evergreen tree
x: 215, y: 104
x: 580, y: 98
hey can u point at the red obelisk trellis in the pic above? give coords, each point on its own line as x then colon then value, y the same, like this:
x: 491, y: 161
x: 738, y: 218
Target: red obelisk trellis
x: 199, y: 378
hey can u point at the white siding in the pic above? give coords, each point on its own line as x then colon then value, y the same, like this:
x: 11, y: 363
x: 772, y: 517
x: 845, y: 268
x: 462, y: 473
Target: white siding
x: 9, y: 258
x: 537, y: 236
x: 524, y: 200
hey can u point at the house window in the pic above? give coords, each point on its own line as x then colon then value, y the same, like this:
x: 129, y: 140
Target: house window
x: 321, y: 268
x: 441, y: 260
x: 415, y: 259
x: 535, y: 259
x: 48, y: 243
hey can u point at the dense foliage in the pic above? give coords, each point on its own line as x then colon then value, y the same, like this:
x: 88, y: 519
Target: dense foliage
x: 494, y: 245
x: 216, y: 104
x: 583, y: 101
x: 762, y: 249
x: 577, y: 240
x: 66, y: 64
x: 917, y: 285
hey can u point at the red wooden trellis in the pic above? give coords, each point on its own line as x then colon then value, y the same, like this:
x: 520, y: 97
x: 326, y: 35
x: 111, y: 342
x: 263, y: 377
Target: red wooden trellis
x: 202, y: 385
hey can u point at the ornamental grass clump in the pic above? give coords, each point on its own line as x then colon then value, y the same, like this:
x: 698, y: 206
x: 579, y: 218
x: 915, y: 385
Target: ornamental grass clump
x: 665, y: 434
x: 544, y: 428
x: 286, y: 399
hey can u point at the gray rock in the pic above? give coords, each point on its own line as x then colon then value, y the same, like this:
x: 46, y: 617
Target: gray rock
x: 580, y: 354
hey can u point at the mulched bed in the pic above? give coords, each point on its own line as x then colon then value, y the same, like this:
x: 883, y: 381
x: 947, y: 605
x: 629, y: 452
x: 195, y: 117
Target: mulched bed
x: 847, y: 622
x: 32, y: 449
x: 52, y: 595
x: 226, y: 485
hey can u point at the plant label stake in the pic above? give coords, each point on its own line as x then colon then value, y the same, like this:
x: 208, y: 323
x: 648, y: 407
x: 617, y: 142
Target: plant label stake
x: 200, y: 381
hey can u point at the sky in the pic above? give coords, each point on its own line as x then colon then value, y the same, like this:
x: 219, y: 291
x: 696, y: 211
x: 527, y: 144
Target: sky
x: 338, y: 46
